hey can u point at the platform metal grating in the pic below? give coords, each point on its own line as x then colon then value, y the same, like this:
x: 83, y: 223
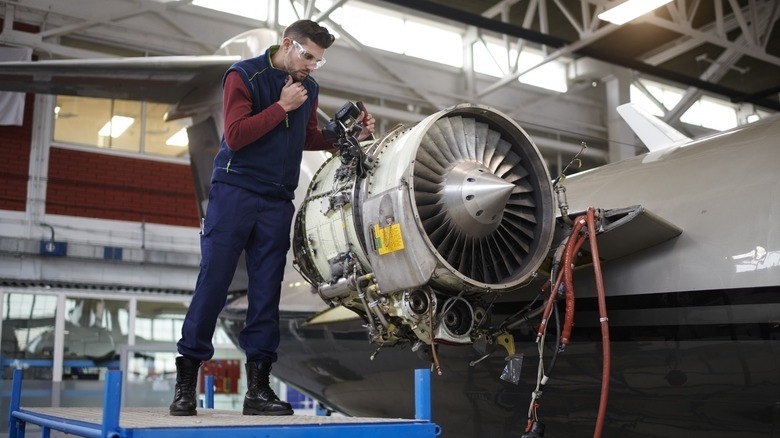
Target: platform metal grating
x: 150, y: 418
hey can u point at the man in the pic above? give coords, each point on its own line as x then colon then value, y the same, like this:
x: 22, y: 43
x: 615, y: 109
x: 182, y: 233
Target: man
x: 270, y: 105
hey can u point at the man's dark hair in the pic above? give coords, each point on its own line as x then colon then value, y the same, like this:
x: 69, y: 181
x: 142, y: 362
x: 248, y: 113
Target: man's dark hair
x: 308, y: 29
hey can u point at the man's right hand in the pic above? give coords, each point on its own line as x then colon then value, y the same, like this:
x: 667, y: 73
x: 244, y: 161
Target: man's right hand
x: 293, y: 95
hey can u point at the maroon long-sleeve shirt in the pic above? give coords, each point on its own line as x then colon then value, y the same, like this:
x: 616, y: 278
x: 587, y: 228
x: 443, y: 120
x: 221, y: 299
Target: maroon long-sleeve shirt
x: 242, y: 128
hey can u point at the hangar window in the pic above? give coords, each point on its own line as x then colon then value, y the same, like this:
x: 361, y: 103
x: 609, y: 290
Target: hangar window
x: 236, y: 7
x: 648, y: 95
x: 711, y: 113
x: 433, y: 43
x: 26, y: 318
x: 491, y: 57
x: 707, y: 112
x: 118, y: 125
x: 384, y: 29
x: 96, y: 330
x: 362, y: 24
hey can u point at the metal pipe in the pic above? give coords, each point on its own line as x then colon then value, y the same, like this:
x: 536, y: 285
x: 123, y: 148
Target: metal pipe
x: 330, y: 291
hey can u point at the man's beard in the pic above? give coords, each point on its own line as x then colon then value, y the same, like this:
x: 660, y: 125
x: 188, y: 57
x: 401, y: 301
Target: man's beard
x: 299, y: 75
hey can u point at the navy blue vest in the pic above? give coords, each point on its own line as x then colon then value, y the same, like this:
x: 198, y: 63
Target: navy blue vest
x: 271, y: 164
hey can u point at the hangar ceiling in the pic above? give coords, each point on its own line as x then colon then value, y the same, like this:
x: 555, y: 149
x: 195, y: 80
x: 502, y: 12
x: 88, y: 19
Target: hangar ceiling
x: 725, y: 48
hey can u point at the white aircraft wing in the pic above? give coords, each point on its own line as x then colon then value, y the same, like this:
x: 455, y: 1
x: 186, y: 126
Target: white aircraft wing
x: 163, y: 79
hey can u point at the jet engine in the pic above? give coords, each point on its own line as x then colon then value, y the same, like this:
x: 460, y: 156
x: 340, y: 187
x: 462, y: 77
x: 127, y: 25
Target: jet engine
x: 420, y: 230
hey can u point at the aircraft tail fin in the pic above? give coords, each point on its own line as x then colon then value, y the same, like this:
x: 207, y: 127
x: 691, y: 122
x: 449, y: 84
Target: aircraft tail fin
x: 654, y: 133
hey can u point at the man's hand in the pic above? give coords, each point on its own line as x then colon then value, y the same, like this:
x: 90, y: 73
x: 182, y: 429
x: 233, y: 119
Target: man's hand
x: 293, y: 95
x: 366, y: 120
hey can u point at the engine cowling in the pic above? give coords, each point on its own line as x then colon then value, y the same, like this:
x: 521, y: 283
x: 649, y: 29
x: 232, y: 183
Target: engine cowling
x: 450, y: 210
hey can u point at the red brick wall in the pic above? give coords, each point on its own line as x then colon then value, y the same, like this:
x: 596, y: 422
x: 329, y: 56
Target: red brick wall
x: 15, y: 161
x: 24, y: 27
x: 105, y: 186
x: 15, y: 150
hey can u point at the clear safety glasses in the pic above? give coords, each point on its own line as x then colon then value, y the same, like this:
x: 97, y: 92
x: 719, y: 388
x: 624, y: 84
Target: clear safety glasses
x: 308, y: 57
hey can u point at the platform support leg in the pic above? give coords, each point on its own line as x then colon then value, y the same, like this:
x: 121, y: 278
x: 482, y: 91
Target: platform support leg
x: 112, y: 400
x: 15, y: 426
x: 422, y: 394
x: 208, y: 382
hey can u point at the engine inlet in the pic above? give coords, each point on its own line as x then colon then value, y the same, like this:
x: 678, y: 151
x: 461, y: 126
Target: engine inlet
x: 479, y: 196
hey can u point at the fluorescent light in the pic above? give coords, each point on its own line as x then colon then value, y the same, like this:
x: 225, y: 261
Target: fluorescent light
x: 179, y: 139
x: 625, y: 12
x: 116, y: 126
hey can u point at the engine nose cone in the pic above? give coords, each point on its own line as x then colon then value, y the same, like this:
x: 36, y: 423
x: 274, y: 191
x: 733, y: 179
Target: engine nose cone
x: 476, y: 198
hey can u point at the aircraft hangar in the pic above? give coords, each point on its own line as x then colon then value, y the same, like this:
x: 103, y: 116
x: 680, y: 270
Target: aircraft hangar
x: 108, y: 161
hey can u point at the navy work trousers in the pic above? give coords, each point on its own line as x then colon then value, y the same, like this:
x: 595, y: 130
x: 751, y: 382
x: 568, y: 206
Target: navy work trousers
x: 239, y: 220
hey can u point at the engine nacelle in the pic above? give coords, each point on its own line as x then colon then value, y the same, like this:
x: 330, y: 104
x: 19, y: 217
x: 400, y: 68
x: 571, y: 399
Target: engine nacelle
x: 439, y: 215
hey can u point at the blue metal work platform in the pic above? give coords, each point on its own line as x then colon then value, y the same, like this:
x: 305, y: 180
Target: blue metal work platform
x: 116, y: 422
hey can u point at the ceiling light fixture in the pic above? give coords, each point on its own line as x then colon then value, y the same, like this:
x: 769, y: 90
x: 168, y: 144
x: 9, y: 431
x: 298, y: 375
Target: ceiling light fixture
x: 625, y: 12
x: 116, y: 126
x: 180, y: 139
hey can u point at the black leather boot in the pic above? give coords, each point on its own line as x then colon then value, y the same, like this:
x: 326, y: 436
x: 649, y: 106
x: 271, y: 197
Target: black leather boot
x: 185, y: 402
x: 260, y: 399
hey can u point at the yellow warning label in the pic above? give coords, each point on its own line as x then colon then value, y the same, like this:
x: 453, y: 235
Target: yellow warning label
x: 388, y: 239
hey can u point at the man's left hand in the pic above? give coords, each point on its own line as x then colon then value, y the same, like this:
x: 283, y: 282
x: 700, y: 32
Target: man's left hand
x: 367, y: 121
